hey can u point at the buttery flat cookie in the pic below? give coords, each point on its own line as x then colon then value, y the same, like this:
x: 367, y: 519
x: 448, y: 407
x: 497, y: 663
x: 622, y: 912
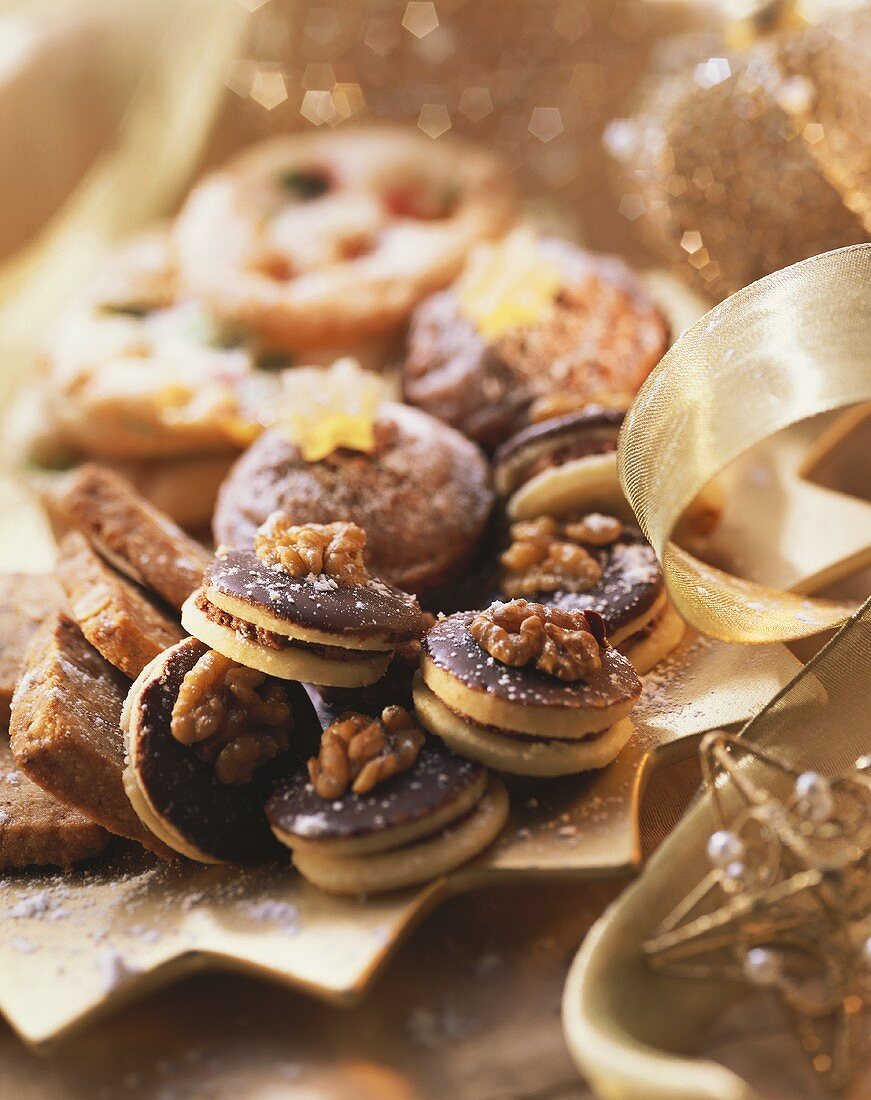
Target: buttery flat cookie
x: 65, y: 728
x: 26, y: 599
x: 115, y: 615
x: 35, y: 829
x: 130, y: 533
x: 416, y: 863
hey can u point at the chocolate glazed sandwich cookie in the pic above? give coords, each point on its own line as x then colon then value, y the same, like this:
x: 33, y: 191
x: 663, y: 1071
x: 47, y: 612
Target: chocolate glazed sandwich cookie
x: 596, y: 563
x: 206, y: 740
x: 559, y: 461
x: 567, y: 463
x: 526, y: 689
x: 382, y: 807
x: 302, y: 606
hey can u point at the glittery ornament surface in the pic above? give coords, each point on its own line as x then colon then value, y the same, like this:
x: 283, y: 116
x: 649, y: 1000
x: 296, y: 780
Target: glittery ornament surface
x: 715, y: 172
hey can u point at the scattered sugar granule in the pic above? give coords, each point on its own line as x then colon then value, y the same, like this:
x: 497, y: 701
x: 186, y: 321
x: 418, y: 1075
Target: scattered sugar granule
x: 281, y: 913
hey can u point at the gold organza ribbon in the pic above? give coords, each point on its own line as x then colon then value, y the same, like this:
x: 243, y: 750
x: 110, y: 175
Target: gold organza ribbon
x: 785, y: 348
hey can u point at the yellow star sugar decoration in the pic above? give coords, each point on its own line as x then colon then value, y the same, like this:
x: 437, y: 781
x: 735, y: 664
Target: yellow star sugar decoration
x: 508, y: 285
x: 327, y: 408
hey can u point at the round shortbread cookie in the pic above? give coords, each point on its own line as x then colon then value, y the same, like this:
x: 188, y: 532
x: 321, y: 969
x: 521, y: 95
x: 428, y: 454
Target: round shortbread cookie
x: 518, y: 756
x: 666, y: 634
x: 583, y: 485
x: 591, y: 484
x: 418, y: 863
x: 293, y: 663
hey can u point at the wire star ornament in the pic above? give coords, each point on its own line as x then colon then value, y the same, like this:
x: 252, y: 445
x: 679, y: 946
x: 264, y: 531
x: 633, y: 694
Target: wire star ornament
x: 786, y: 906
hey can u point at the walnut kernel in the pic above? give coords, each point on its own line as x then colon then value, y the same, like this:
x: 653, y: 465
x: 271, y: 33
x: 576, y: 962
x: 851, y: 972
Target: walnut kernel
x: 235, y: 717
x: 544, y: 557
x: 564, y: 644
x: 359, y: 751
x: 330, y: 549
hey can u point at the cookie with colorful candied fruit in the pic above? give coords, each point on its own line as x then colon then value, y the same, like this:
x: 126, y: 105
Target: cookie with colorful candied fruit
x: 312, y: 239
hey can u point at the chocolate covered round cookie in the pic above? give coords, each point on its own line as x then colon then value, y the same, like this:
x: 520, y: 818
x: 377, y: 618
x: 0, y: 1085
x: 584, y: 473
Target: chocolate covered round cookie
x: 136, y: 372
x: 595, y: 562
x: 382, y: 806
x: 303, y: 606
x: 526, y: 688
x: 328, y: 237
x: 530, y: 318
x: 422, y: 495
x: 206, y: 739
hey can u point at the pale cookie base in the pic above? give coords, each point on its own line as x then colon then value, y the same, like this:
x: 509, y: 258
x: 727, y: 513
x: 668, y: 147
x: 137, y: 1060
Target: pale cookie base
x: 139, y: 800
x: 397, y: 836
x: 591, y: 484
x: 639, y: 623
x: 416, y: 864
x: 485, y: 709
x: 543, y: 759
x: 287, y: 664
x: 659, y: 642
x: 260, y: 617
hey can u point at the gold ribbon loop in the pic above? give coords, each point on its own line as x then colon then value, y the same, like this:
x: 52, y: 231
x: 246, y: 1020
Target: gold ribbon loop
x: 785, y: 348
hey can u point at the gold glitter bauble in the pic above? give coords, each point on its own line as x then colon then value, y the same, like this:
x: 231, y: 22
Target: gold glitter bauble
x: 715, y: 171
x: 831, y: 69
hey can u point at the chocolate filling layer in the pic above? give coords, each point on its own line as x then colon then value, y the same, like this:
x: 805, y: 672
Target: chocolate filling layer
x: 260, y: 636
x: 528, y: 738
x: 436, y: 779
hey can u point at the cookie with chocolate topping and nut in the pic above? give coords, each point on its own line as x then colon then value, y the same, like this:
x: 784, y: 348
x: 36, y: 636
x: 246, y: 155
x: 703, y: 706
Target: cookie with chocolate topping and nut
x: 383, y: 807
x: 302, y: 606
x: 206, y: 740
x: 594, y: 562
x: 526, y: 689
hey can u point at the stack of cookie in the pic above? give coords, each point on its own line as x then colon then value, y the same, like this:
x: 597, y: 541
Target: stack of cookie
x: 290, y: 689
x: 124, y: 568
x: 302, y: 249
